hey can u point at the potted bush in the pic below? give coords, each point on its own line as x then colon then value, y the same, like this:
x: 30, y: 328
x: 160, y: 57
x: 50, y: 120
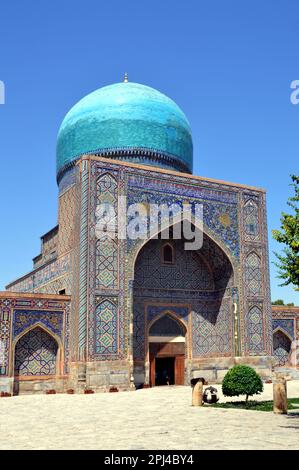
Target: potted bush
x: 242, y: 380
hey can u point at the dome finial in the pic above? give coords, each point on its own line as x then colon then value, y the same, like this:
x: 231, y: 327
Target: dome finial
x: 126, y: 79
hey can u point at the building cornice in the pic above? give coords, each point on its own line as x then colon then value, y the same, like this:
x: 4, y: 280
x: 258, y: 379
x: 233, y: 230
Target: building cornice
x: 169, y: 172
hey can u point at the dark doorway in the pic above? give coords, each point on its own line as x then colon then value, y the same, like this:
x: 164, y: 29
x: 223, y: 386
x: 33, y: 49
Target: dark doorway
x: 164, y: 373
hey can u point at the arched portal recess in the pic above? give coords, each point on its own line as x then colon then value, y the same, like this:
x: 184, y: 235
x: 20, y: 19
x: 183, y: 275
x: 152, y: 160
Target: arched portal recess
x: 281, y: 347
x: 166, y: 339
x: 36, y: 354
x: 191, y: 285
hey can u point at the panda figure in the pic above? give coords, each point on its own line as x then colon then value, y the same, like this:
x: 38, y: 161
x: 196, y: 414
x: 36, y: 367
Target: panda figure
x: 210, y: 395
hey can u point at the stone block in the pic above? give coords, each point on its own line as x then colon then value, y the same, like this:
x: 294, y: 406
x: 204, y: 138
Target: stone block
x: 208, y: 374
x: 119, y: 379
x: 220, y: 375
x: 98, y: 380
x: 6, y: 384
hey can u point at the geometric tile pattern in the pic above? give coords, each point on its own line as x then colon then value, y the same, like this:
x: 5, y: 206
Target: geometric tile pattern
x: 251, y: 220
x: 285, y: 330
x: 107, y: 190
x: 266, y: 278
x: 253, y: 275
x: 254, y: 330
x: 212, y: 328
x: 193, y: 279
x: 106, y: 328
x: 202, y: 281
x: 43, y: 275
x: 281, y: 347
x: 255, y: 300
x: 168, y: 184
x: 83, y: 263
x: 52, y: 287
x: 67, y: 202
x: 181, y: 311
x: 221, y: 218
x: 4, y: 340
x: 166, y: 326
x: 188, y: 272
x: 212, y: 305
x: 19, y: 313
x: 107, y: 263
x: 68, y: 179
x: 106, y: 246
x: 286, y: 324
x: 139, y: 325
x: 35, y: 354
x: 205, y: 269
x: 27, y: 318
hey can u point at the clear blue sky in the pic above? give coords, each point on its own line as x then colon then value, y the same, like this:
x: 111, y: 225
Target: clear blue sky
x: 228, y: 64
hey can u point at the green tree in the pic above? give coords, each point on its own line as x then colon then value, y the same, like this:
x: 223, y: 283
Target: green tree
x: 278, y: 302
x: 241, y: 380
x: 288, y: 261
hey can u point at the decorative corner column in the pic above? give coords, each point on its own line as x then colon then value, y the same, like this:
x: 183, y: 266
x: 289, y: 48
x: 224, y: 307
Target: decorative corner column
x: 131, y: 333
x: 236, y: 323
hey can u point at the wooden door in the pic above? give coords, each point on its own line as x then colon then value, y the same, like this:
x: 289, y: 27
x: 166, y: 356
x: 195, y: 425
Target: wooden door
x: 179, y: 370
x: 152, y: 371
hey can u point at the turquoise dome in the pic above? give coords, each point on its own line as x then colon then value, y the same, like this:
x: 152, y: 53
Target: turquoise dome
x: 126, y: 121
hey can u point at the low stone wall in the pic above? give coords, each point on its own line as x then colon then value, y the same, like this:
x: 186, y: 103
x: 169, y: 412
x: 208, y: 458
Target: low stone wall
x: 214, y: 369
x: 29, y: 386
x: 100, y: 376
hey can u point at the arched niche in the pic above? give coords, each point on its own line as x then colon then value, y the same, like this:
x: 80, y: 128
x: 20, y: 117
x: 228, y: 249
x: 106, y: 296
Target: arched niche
x: 281, y: 347
x: 194, y: 288
x: 36, y: 353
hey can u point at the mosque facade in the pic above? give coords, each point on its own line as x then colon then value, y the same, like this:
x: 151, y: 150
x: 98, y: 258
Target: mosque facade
x: 103, y: 309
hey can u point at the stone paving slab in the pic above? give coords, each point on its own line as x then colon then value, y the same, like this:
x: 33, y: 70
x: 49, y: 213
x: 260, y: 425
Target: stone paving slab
x: 158, y: 418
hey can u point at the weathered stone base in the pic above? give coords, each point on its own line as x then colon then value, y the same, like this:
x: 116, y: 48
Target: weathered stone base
x: 29, y: 386
x: 6, y: 384
x: 214, y: 369
x: 100, y: 376
x: 23, y: 387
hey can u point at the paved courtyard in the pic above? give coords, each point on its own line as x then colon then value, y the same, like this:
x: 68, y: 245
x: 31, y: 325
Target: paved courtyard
x: 159, y: 418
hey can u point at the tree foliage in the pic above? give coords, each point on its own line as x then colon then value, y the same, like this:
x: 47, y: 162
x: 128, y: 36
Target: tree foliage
x: 288, y: 261
x: 241, y: 380
x: 278, y: 302
x: 281, y: 302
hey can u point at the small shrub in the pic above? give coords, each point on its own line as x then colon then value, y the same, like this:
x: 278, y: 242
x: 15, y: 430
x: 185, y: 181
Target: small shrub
x: 241, y: 380
x: 70, y: 391
x: 113, y: 389
x: 87, y: 391
x: 50, y: 392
